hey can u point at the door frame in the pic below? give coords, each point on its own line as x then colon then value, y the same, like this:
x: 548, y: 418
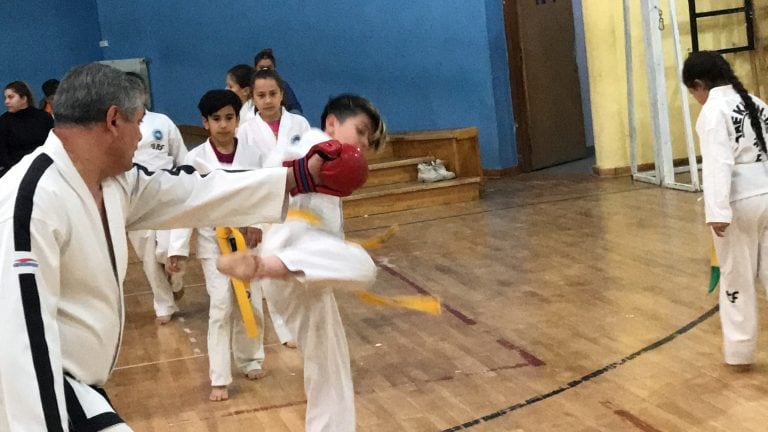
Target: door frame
x: 517, y: 84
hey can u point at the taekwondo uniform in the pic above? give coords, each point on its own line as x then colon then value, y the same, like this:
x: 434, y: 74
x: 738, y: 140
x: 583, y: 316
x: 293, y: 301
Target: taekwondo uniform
x: 247, y: 112
x: 735, y: 177
x: 292, y: 127
x: 161, y: 147
x: 62, y: 273
x: 248, y: 353
x: 311, y: 242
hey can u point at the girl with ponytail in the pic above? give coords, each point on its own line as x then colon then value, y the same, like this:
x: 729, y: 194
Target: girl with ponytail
x: 732, y: 127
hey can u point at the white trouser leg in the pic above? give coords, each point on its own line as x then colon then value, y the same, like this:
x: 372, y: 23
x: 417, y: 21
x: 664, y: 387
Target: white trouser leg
x: 145, y: 245
x: 249, y: 353
x: 219, y: 323
x: 283, y: 334
x: 313, y: 317
x: 737, y: 252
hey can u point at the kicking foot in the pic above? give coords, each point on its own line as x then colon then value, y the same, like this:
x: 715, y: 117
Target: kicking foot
x: 163, y: 319
x: 290, y: 344
x: 255, y: 374
x: 219, y: 393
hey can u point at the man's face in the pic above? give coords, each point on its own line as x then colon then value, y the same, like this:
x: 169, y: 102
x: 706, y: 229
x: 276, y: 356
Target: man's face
x: 222, y: 124
x: 354, y: 130
x: 128, y: 135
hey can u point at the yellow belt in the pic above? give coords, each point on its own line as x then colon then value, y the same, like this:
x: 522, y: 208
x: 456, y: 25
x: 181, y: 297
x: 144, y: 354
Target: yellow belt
x: 241, y: 287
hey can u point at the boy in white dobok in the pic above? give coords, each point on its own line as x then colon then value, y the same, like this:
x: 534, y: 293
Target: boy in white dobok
x: 220, y: 112
x: 161, y: 147
x: 303, y: 259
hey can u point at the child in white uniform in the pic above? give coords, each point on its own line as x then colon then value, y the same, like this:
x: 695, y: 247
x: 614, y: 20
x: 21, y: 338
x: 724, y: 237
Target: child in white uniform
x: 732, y: 131
x: 272, y: 123
x: 161, y: 147
x: 220, y: 110
x: 272, y: 127
x: 308, y: 251
x: 239, y: 81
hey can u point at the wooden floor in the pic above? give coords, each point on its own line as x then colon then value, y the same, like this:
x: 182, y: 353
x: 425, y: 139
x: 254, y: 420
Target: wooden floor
x: 572, y: 303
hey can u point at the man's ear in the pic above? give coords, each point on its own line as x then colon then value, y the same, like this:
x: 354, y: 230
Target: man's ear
x: 205, y: 123
x: 111, y: 119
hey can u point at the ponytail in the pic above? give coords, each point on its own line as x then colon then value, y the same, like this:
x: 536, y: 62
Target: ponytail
x: 749, y: 104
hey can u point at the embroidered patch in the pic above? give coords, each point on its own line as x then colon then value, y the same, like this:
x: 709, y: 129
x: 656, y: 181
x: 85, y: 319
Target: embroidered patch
x: 25, y: 264
x: 295, y: 139
x: 158, y: 134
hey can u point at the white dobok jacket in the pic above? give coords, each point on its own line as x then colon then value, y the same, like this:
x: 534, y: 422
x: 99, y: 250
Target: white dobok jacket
x: 258, y: 132
x: 247, y: 156
x: 733, y: 165
x: 161, y: 145
x: 314, y: 245
x: 61, y: 295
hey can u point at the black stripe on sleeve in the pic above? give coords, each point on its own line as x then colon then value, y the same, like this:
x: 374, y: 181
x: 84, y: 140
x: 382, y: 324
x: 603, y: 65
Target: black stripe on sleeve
x: 30, y: 298
x: 78, y: 422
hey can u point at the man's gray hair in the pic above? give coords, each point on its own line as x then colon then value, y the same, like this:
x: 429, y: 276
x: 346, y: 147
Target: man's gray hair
x: 87, y: 92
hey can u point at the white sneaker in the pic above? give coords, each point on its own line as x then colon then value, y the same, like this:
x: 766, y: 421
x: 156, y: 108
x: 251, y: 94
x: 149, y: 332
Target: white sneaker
x: 427, y: 173
x: 440, y: 169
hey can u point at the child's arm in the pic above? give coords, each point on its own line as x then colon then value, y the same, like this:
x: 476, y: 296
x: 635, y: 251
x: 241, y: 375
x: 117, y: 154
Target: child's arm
x: 178, y: 249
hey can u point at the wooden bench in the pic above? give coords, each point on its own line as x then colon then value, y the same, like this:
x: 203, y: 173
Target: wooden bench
x: 393, y: 180
x: 393, y: 184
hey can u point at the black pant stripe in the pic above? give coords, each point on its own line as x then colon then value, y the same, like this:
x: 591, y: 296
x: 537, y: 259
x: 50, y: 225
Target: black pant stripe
x: 30, y: 299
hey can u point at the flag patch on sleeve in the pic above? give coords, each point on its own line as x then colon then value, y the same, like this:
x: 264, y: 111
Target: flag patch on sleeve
x: 25, y: 264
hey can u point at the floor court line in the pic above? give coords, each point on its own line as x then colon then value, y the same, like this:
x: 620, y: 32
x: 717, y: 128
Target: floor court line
x: 538, y: 398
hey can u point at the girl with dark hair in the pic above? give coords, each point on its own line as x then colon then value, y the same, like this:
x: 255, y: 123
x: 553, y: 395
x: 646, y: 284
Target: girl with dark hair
x: 732, y: 128
x: 239, y: 81
x: 274, y: 126
x: 23, y: 127
x: 265, y: 59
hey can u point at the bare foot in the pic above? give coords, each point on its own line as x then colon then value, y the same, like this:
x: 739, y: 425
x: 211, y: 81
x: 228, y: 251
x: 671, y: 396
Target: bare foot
x: 291, y: 344
x: 163, y: 319
x: 219, y: 393
x: 255, y: 374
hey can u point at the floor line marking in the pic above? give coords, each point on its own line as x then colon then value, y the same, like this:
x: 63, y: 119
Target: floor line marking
x: 391, y: 270
x: 540, y: 397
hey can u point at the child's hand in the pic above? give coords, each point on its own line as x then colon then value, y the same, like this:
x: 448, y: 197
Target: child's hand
x: 252, y: 236
x: 175, y: 263
x: 239, y: 265
x: 719, y: 228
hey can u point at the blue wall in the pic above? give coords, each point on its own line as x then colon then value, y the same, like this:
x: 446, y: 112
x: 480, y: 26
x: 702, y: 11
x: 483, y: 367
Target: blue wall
x: 43, y: 39
x: 426, y: 65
